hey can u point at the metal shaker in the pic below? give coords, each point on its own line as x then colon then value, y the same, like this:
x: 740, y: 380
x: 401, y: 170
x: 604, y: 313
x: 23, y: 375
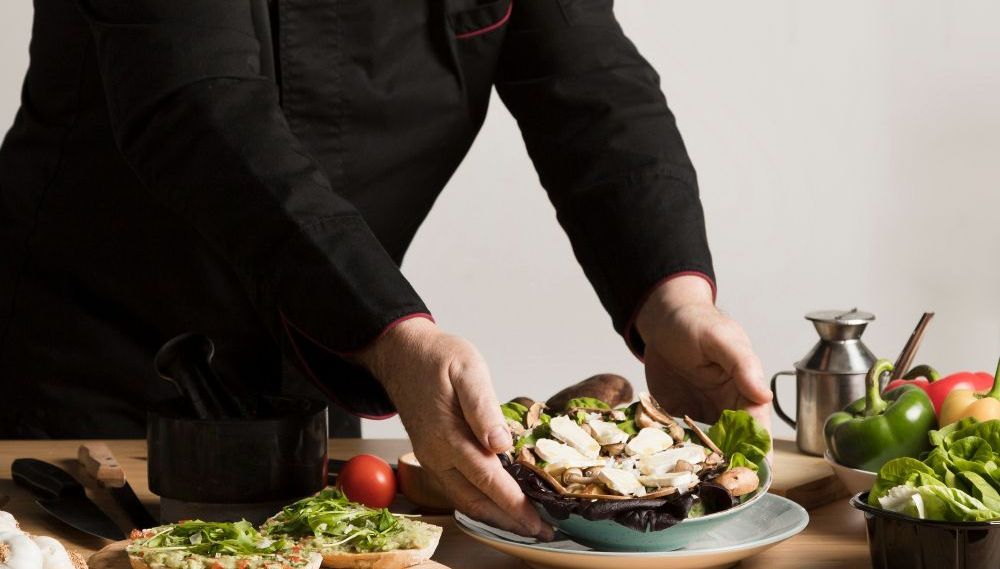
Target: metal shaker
x: 829, y: 377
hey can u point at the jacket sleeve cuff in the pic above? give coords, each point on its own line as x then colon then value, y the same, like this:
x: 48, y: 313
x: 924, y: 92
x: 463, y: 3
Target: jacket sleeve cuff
x: 347, y: 384
x: 631, y: 335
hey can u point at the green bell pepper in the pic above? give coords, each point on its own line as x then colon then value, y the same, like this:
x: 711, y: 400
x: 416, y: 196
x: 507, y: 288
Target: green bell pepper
x: 881, y: 426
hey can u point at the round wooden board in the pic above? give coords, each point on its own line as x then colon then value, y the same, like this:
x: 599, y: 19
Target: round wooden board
x: 114, y: 557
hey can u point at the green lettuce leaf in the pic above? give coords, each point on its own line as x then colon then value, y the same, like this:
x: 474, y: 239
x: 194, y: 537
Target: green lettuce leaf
x: 542, y: 431
x: 737, y: 460
x: 979, y: 488
x: 737, y: 432
x: 514, y: 411
x: 903, y: 471
x: 586, y: 403
x: 952, y: 505
x: 944, y: 436
x: 628, y: 426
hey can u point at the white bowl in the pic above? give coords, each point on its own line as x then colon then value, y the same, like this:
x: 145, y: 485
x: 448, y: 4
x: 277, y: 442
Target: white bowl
x: 853, y: 479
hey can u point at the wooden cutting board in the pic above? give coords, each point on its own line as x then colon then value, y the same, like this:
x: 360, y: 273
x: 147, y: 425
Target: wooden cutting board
x: 806, y: 480
x: 114, y: 557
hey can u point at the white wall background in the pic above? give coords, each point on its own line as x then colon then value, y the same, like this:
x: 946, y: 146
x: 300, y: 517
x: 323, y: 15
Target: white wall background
x: 848, y: 153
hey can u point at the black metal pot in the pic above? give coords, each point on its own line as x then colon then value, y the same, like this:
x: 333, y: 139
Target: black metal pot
x: 231, y: 468
x: 901, y: 542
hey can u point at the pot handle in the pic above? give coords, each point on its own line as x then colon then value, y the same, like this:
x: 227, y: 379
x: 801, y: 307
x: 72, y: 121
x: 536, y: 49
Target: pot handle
x: 777, y: 406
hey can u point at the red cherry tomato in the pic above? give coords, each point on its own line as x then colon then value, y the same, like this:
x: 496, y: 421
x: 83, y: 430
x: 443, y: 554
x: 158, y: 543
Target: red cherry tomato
x: 369, y: 480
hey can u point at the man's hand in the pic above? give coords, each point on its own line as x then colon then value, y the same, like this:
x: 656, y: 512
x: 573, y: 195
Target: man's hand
x: 699, y: 362
x: 441, y: 387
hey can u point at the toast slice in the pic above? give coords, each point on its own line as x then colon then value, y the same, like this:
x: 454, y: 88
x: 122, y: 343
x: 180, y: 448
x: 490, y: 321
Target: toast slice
x: 362, y: 538
x: 395, y: 559
x: 139, y: 562
x: 215, y: 545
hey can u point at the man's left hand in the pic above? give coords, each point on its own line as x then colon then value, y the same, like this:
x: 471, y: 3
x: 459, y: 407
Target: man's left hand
x: 699, y: 361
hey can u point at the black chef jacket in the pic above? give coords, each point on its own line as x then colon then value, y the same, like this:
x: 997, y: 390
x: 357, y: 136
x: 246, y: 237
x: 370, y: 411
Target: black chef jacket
x: 256, y: 174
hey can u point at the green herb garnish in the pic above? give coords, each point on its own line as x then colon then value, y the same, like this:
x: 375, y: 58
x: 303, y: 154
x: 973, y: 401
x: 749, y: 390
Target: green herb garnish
x: 214, y: 538
x: 337, y: 521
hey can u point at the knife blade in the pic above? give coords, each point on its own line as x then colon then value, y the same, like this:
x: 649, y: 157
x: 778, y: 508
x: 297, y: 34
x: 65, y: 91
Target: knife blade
x: 63, y: 497
x: 100, y: 463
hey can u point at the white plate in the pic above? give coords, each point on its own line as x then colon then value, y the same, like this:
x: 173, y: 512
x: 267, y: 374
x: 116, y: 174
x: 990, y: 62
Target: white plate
x: 853, y: 479
x: 771, y: 520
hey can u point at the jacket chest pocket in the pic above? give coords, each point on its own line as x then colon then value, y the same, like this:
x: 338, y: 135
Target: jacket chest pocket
x: 476, y: 29
x: 475, y: 18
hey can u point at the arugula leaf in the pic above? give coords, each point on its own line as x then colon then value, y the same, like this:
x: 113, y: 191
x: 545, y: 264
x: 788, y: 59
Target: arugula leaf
x: 213, y: 538
x: 331, y: 516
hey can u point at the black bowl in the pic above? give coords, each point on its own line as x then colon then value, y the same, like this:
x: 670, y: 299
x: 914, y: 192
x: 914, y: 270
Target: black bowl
x: 901, y: 542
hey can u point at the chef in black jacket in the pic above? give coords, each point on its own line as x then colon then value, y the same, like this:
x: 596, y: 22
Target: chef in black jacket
x: 255, y: 171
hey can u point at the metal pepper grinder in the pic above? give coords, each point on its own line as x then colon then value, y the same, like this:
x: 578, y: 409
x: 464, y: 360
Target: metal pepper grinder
x: 829, y: 377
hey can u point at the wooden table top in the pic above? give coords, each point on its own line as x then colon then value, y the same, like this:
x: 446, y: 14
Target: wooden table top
x: 834, y: 538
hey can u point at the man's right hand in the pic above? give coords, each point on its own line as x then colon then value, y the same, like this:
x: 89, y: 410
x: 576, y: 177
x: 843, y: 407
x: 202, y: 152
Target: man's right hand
x: 441, y: 386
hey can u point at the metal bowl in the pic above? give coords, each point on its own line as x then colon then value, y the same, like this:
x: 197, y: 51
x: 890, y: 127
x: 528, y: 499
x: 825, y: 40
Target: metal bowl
x: 897, y: 541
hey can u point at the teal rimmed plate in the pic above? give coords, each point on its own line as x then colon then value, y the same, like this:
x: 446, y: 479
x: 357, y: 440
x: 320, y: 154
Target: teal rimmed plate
x: 763, y: 524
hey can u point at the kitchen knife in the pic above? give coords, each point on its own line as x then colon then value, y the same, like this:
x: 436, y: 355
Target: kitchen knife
x: 98, y: 461
x: 63, y: 497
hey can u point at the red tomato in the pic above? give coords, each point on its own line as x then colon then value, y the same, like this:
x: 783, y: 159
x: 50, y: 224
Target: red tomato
x: 369, y: 480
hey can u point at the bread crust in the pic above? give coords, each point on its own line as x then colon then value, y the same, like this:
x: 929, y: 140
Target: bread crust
x: 137, y: 562
x: 396, y: 559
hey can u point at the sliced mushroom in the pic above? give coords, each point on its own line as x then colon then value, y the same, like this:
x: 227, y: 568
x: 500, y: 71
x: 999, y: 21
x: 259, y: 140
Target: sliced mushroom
x: 576, y: 488
x: 589, y: 430
x: 577, y: 476
x: 683, y: 466
x: 701, y: 435
x: 738, y: 481
x: 652, y: 408
x: 526, y: 401
x: 516, y: 429
x: 714, y: 459
x: 644, y: 421
x: 556, y: 485
x: 613, y: 450
x: 617, y: 415
x: 592, y: 472
x: 534, y: 416
x: 525, y: 455
x: 665, y: 491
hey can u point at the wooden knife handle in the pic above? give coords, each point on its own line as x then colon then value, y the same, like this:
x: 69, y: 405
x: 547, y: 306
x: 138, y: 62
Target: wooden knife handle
x: 97, y: 459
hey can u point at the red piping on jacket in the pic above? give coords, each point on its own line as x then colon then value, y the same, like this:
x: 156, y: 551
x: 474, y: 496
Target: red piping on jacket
x: 288, y: 325
x: 489, y: 28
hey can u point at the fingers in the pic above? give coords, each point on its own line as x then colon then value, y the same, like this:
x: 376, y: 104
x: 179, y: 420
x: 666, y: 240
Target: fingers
x: 730, y: 348
x: 471, y: 380
x: 468, y: 499
x: 487, y: 477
